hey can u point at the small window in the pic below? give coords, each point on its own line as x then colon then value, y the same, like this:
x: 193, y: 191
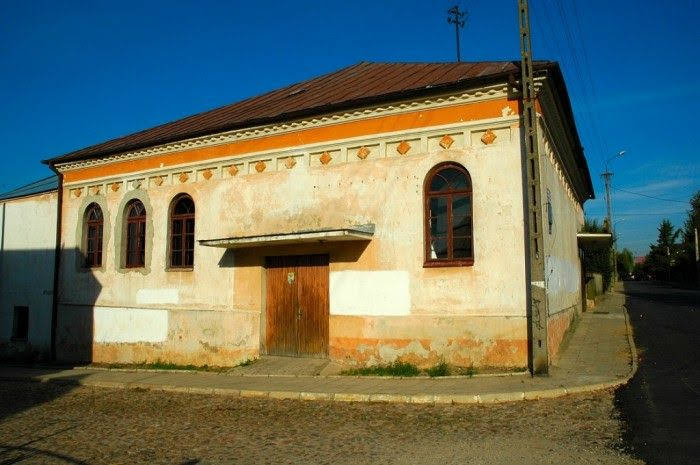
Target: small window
x: 182, y: 233
x: 20, y: 324
x: 93, y: 236
x: 135, y: 234
x: 448, y: 216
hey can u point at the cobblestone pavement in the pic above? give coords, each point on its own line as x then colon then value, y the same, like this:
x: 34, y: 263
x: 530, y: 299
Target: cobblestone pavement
x: 50, y: 423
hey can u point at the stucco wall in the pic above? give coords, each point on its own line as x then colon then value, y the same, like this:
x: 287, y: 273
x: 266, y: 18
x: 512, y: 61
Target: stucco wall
x: 562, y: 261
x: 27, y: 248
x: 384, y: 304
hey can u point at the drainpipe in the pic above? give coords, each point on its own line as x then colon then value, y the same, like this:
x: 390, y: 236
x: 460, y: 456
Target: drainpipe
x: 56, y: 263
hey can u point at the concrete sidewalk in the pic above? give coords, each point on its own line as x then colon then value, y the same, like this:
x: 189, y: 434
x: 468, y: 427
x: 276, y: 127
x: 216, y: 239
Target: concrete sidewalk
x: 599, y: 354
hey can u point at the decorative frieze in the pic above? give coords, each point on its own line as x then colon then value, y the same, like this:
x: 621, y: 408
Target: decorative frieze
x: 410, y: 143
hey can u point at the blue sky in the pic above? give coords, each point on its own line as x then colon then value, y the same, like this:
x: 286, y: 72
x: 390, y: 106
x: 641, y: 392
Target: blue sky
x: 77, y: 73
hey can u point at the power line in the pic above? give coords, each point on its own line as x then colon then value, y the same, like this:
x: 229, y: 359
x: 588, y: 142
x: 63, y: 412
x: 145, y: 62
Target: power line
x: 556, y: 33
x: 650, y: 214
x: 569, y: 35
x: 650, y: 196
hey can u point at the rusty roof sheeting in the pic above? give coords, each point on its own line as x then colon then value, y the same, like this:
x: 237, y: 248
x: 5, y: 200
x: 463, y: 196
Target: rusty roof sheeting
x: 359, y: 84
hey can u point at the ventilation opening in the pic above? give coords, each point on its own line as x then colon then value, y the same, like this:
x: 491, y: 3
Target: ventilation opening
x: 296, y: 92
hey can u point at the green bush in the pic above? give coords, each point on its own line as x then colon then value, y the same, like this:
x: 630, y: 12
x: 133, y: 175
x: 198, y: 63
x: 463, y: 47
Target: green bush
x: 441, y: 369
x: 395, y: 369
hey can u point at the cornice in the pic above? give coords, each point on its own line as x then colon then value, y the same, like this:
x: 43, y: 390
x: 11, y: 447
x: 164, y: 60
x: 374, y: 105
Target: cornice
x: 475, y: 95
x: 487, y: 135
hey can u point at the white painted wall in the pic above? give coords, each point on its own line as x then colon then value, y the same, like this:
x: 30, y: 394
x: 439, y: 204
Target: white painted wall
x: 128, y: 325
x: 562, y: 263
x: 371, y: 293
x: 27, y: 248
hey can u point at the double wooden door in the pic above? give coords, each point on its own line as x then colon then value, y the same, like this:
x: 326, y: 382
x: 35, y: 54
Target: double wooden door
x: 297, y: 305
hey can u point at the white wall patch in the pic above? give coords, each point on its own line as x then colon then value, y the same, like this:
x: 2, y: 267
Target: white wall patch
x: 374, y: 293
x: 130, y: 325
x: 157, y: 296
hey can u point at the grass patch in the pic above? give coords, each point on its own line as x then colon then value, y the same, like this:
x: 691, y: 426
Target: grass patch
x: 160, y: 365
x: 247, y: 362
x: 441, y: 369
x: 395, y: 369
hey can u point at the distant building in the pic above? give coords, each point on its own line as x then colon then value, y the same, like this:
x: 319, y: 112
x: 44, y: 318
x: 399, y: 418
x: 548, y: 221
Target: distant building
x: 27, y: 251
x: 370, y: 215
x: 640, y: 260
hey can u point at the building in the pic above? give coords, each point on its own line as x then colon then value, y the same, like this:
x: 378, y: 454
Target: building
x: 369, y: 215
x: 27, y: 252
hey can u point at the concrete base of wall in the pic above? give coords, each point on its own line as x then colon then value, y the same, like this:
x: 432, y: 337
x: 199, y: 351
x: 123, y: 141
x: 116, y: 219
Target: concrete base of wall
x: 426, y: 340
x: 227, y: 338
x: 121, y: 335
x: 557, y: 326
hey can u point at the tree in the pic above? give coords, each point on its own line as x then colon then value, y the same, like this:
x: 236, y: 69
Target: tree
x: 665, y: 253
x: 625, y: 263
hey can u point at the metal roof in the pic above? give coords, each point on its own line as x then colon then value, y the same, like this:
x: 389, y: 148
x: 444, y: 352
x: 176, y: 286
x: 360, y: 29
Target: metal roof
x: 37, y: 187
x: 363, y: 232
x: 360, y: 84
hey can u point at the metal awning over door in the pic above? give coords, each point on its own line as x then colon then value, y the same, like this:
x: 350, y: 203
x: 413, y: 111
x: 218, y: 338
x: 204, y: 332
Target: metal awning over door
x: 363, y: 232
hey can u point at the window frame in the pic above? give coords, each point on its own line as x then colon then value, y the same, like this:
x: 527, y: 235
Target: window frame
x: 181, y: 218
x: 450, y: 194
x: 89, y: 262
x: 141, y: 237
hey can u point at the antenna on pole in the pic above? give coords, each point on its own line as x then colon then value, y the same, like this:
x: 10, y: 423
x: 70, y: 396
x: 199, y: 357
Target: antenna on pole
x: 456, y: 17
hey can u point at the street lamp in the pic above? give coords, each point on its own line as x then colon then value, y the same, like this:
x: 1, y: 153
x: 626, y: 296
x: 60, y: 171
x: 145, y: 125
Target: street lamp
x: 607, y: 176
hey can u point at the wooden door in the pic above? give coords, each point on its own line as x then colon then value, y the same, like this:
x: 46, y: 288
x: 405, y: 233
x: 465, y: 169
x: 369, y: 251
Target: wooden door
x: 297, y: 305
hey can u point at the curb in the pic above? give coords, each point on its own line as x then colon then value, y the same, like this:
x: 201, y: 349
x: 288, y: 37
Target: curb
x: 486, y: 398
x: 251, y: 375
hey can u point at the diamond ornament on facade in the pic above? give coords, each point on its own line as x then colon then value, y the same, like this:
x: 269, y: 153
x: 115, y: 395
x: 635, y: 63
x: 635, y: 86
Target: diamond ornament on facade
x: 183, y: 177
x: 260, y: 166
x: 403, y: 147
x: 325, y: 158
x: 363, y: 152
x: 158, y: 180
x: 207, y: 174
x: 489, y: 137
x: 233, y: 170
x: 290, y: 162
x: 446, y: 141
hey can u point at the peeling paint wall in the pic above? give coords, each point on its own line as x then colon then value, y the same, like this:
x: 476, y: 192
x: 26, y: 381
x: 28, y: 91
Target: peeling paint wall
x: 562, y: 261
x: 384, y: 304
x: 27, y: 250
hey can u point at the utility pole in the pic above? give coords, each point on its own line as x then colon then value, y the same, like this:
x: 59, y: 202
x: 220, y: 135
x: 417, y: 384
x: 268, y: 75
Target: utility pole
x: 537, y: 310
x: 607, y: 177
x: 456, y: 17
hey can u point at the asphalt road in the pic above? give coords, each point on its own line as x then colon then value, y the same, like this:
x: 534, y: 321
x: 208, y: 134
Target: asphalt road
x: 660, y: 407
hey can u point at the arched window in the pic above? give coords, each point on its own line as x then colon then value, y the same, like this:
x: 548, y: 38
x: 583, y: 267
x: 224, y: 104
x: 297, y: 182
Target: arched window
x: 182, y: 232
x: 135, y: 234
x: 448, y: 216
x: 93, y: 236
